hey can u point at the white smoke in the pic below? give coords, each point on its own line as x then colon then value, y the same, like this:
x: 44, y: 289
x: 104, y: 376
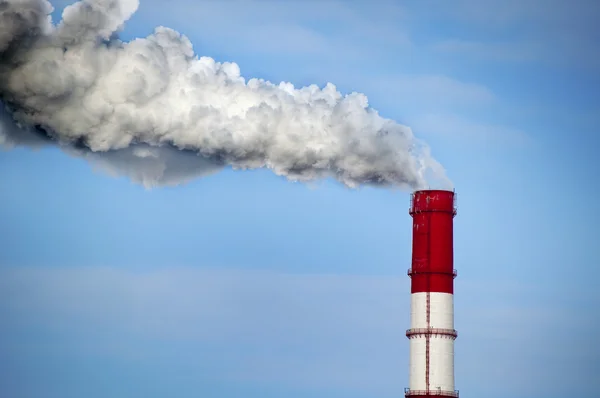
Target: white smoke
x: 152, y: 110
x: 143, y: 164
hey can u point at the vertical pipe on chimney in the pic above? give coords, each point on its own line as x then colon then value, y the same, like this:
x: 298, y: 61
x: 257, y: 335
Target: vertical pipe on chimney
x: 432, y: 334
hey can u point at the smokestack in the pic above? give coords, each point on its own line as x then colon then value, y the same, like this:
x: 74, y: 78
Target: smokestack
x: 431, y: 333
x: 133, y: 107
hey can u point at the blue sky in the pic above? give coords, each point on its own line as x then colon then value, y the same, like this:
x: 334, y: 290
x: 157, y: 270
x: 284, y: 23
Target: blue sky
x: 245, y: 284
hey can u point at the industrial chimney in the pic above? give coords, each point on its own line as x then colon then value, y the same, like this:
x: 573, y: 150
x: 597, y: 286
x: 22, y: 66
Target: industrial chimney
x: 432, y: 334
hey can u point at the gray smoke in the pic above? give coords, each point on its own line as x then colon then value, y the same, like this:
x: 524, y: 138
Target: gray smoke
x: 152, y: 110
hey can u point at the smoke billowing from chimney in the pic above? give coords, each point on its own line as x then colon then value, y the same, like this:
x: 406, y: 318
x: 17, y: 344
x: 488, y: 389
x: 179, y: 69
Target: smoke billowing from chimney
x: 152, y: 110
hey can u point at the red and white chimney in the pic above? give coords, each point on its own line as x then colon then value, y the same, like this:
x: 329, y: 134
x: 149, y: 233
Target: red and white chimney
x: 431, y: 333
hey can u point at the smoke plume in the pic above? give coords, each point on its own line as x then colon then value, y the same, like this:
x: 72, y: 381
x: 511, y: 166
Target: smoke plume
x: 152, y: 110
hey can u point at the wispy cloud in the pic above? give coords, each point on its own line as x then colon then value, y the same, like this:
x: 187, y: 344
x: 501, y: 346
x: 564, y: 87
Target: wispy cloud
x: 435, y: 90
x: 453, y: 127
x: 505, y: 13
x: 491, y: 51
x: 303, y: 330
x: 338, y: 332
x: 566, y: 50
x: 553, y: 32
x: 333, y: 30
